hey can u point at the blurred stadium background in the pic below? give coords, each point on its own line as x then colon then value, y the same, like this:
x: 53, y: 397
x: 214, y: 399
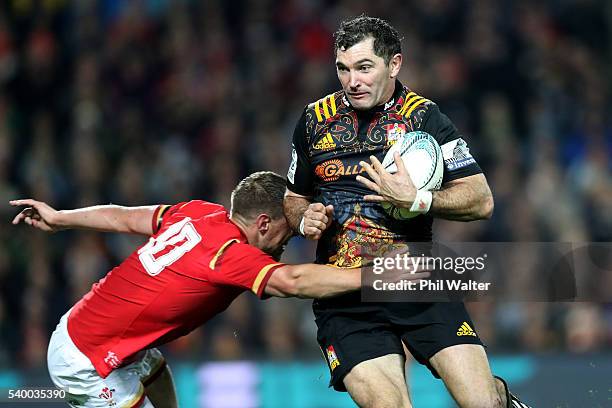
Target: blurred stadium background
x: 159, y: 101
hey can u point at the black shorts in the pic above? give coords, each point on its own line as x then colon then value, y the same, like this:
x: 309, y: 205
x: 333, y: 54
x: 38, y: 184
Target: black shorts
x: 348, y: 336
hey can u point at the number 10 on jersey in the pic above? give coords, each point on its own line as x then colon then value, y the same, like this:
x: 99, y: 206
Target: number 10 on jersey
x: 169, y: 246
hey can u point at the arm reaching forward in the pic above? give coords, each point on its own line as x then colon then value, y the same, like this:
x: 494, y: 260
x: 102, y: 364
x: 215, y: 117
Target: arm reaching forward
x: 107, y: 218
x: 321, y: 281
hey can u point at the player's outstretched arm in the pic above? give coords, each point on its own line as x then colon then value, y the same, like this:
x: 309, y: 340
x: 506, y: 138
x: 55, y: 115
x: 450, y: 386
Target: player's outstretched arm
x: 107, y: 218
x: 321, y: 281
x: 312, y: 281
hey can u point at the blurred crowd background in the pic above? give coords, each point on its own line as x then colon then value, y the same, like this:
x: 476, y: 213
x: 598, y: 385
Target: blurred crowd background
x: 159, y: 101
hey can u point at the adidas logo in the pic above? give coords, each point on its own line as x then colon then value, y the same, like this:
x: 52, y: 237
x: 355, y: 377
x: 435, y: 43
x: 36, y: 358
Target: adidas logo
x: 465, y: 330
x: 327, y: 143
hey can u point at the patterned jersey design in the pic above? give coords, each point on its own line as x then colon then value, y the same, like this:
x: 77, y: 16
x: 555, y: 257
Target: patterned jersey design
x: 331, y: 139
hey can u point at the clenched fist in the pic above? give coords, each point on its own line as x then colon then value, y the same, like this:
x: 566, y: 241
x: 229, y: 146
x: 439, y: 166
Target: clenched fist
x: 317, y: 218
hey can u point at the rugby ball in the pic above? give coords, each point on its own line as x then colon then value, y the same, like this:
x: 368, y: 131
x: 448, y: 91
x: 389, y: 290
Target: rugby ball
x: 423, y: 159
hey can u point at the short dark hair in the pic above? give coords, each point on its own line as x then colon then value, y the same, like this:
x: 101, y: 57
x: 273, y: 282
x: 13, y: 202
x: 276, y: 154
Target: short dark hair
x: 261, y: 192
x: 387, y: 41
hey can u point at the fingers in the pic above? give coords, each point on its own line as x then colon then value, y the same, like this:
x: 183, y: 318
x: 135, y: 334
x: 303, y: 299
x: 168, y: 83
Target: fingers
x: 26, y: 216
x: 310, y: 224
x: 317, y: 218
x: 18, y: 218
x: 368, y: 183
x: 375, y: 198
x: 316, y: 212
x: 313, y: 234
x: 374, y: 175
x: 329, y: 210
x: 377, y: 165
x: 24, y: 201
x: 30, y: 212
x: 399, y: 163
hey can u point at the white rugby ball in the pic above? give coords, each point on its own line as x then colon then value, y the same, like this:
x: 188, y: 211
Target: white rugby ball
x: 422, y: 158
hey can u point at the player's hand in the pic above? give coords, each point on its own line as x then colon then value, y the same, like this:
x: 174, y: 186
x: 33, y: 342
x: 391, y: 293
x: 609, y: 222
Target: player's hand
x: 39, y: 215
x: 317, y: 218
x: 397, y: 188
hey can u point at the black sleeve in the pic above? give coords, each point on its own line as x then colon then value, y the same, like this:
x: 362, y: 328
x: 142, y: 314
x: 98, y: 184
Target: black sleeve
x: 299, y: 176
x: 458, y: 161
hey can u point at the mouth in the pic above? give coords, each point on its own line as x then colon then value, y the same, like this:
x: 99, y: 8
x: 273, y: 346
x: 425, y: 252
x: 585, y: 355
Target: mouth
x: 357, y: 95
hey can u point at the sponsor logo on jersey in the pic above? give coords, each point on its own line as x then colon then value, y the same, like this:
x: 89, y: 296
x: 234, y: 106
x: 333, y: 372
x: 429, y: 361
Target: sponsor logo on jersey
x: 332, y: 170
x: 292, y: 166
x: 107, y: 394
x: 456, y: 154
x: 332, y: 358
x: 395, y: 132
x: 327, y: 143
x: 465, y: 330
x: 389, y: 104
x: 112, y: 360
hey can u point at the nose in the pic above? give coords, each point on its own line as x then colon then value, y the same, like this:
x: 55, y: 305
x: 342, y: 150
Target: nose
x: 353, y: 80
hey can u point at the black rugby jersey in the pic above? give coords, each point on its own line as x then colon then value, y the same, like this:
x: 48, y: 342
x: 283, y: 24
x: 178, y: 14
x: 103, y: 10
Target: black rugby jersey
x: 330, y: 140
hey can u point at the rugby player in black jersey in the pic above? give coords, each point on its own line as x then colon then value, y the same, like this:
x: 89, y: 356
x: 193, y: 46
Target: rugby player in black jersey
x: 329, y: 199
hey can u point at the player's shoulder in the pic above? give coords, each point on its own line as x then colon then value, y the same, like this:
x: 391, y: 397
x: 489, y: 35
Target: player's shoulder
x: 195, y: 209
x: 415, y: 107
x: 326, y: 107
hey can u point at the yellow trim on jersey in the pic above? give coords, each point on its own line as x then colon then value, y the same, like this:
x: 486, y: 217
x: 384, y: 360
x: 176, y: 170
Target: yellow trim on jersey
x: 411, y: 101
x: 261, y: 275
x: 318, y: 112
x: 326, y: 108
x: 160, y: 215
x: 213, y: 261
x: 136, y: 398
x: 405, y: 106
x: 333, y: 104
x: 413, y: 107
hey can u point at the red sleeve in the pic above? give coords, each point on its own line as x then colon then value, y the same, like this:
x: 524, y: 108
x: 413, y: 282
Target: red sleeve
x: 158, y: 215
x: 245, y: 266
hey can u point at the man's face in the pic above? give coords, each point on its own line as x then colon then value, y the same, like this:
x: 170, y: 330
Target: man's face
x: 366, y: 80
x: 276, y: 238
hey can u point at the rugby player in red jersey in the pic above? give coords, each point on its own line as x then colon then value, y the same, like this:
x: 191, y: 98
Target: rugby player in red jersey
x: 198, y: 260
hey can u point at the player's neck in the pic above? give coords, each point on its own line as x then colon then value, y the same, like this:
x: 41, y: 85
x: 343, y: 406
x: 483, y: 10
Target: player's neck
x: 388, y: 93
x: 242, y: 225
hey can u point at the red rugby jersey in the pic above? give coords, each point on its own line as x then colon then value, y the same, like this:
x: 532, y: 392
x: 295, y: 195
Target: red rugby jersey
x: 192, y: 268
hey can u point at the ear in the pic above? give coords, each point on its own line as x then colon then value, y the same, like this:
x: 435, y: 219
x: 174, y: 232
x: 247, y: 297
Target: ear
x: 395, y: 64
x: 263, y: 223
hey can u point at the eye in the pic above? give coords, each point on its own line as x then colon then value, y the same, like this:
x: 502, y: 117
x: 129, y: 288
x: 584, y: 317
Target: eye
x: 365, y: 68
x: 343, y: 69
